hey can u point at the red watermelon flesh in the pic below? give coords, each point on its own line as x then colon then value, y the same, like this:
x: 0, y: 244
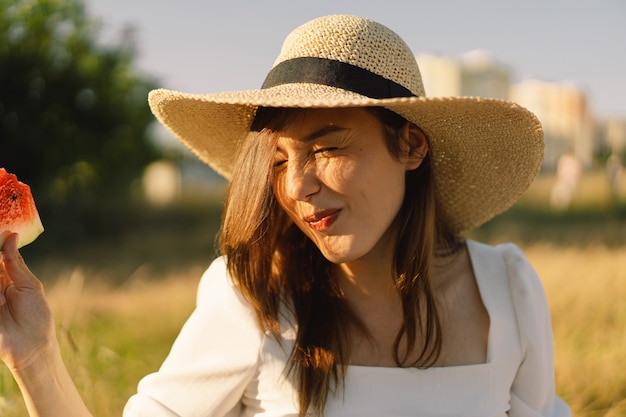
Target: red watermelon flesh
x: 18, y: 213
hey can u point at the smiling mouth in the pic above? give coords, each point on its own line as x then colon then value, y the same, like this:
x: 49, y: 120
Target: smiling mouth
x: 322, y: 220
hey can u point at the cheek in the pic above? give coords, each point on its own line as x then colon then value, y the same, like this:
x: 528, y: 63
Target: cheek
x: 284, y: 202
x: 339, y: 174
x: 385, y: 189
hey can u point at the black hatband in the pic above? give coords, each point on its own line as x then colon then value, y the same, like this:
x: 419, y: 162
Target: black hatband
x: 334, y: 74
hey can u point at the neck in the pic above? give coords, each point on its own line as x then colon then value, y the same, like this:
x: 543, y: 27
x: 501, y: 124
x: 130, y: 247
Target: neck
x: 369, y: 289
x: 369, y: 278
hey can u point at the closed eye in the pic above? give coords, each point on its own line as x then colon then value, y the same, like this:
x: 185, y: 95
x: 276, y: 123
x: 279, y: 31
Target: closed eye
x: 279, y: 163
x: 324, y: 151
x: 280, y: 158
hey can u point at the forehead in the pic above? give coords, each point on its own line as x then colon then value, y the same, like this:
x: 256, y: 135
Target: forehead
x: 314, y: 124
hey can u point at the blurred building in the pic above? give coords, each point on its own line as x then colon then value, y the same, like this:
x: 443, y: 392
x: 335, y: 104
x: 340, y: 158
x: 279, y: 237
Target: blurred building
x: 567, y: 120
x: 561, y: 107
x: 473, y: 74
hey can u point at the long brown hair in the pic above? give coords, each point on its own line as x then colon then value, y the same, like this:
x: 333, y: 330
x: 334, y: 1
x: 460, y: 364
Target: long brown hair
x: 276, y: 266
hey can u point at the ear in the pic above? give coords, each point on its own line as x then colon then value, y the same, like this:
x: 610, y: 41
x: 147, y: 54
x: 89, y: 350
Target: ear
x: 415, y: 145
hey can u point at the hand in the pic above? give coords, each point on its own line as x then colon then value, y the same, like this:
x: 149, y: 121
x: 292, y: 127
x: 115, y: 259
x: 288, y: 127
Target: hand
x: 26, y: 323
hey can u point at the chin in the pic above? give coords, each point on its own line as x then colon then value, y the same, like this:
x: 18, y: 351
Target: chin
x: 342, y: 249
x: 341, y: 257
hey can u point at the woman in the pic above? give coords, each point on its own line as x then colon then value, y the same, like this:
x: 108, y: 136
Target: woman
x: 345, y: 287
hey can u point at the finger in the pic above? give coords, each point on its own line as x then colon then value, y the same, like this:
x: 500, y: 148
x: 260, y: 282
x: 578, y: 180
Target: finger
x: 11, y: 254
x: 14, y: 265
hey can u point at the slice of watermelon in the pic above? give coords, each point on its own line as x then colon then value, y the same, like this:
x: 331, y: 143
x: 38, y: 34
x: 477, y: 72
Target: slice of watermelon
x: 18, y: 213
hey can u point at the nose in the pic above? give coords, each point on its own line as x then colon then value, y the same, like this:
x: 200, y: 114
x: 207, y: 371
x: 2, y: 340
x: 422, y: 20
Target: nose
x: 301, y: 180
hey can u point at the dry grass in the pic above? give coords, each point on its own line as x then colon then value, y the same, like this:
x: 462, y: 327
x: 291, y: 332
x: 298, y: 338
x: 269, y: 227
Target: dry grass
x: 586, y: 289
x: 111, y: 337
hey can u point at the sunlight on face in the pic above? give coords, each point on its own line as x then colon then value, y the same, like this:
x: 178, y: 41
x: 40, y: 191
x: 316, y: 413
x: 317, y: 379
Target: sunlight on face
x: 337, y: 181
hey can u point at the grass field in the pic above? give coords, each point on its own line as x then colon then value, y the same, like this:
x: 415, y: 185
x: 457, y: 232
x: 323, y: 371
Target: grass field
x: 115, y: 324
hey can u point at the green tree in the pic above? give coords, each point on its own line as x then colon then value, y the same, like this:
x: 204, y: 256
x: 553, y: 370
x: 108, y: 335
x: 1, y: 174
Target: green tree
x: 73, y: 112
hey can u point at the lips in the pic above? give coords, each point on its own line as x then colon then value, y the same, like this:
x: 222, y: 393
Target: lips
x: 323, y: 219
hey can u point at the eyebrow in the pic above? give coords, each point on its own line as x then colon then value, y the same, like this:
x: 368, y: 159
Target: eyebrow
x: 321, y: 132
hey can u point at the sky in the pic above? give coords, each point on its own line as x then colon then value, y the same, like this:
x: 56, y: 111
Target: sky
x: 205, y: 46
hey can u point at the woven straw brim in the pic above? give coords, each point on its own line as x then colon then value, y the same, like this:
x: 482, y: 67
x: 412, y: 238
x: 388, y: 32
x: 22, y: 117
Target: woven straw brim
x: 485, y: 152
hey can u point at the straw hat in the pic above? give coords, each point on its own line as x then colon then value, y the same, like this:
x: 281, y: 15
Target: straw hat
x: 485, y: 152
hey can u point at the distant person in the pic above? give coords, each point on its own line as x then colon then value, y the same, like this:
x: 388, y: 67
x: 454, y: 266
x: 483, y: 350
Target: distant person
x: 345, y: 287
x: 614, y: 174
x: 569, y: 171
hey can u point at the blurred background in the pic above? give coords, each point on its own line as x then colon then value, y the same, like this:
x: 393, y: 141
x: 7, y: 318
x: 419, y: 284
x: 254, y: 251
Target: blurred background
x: 131, y: 217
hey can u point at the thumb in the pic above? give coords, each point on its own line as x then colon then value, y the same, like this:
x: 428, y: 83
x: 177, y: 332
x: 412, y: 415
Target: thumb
x: 14, y: 264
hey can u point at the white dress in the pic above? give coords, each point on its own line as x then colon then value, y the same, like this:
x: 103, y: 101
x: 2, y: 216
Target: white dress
x: 223, y: 365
